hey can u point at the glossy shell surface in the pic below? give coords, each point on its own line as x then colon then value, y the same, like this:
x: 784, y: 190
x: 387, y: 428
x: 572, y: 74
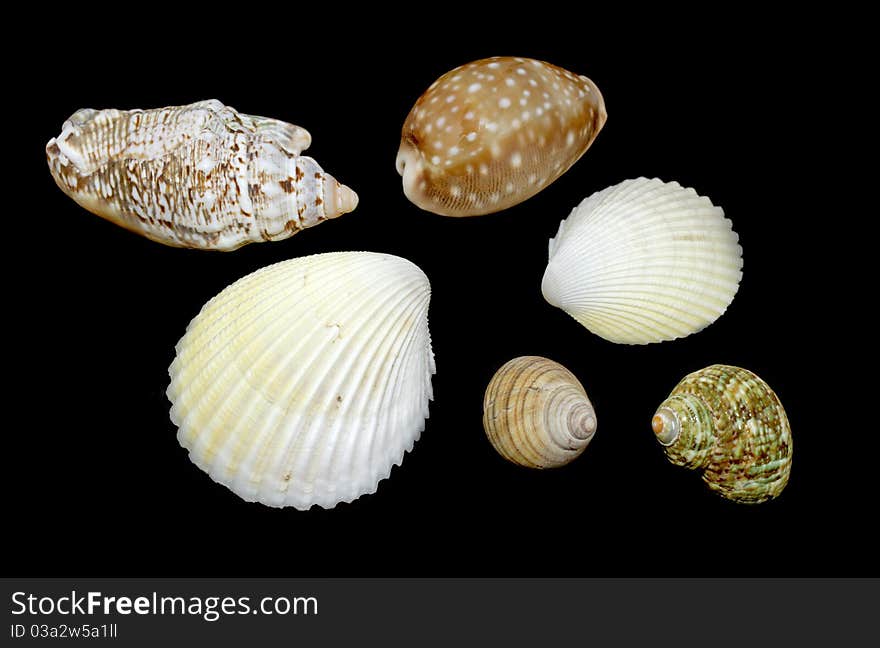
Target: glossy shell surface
x: 492, y: 133
x: 198, y: 176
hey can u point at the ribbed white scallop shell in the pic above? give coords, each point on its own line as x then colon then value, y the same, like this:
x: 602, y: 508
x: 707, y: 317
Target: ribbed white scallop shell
x: 305, y: 382
x: 644, y: 261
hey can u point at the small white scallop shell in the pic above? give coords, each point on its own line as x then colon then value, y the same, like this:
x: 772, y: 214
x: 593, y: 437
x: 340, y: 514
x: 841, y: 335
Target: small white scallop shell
x: 305, y: 382
x: 644, y: 261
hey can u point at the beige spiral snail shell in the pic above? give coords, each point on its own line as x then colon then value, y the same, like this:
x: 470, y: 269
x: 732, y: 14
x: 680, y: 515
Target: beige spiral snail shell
x: 728, y: 423
x: 198, y: 176
x: 492, y: 133
x: 537, y: 414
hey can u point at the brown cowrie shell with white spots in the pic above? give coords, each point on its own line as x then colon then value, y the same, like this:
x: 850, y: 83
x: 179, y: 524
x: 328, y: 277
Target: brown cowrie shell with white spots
x: 493, y: 133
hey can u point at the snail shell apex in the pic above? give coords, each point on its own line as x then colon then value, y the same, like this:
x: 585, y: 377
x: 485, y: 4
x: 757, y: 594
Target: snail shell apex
x: 537, y: 414
x: 728, y: 423
x: 199, y: 176
x: 494, y: 132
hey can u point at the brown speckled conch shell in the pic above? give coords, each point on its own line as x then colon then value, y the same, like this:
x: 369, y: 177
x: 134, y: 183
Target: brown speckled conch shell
x: 490, y: 134
x: 199, y: 176
x: 727, y: 422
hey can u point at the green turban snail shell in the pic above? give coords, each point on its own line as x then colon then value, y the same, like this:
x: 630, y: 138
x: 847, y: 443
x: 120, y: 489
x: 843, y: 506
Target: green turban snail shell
x: 728, y: 423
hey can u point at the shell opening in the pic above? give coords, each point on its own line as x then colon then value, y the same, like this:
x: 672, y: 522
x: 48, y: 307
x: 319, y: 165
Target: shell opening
x: 65, y: 148
x: 410, y: 168
x: 52, y: 149
x: 666, y: 426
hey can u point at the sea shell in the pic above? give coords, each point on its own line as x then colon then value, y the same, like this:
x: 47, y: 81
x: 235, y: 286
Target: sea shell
x: 728, y: 422
x: 644, y: 261
x: 490, y: 134
x: 198, y: 176
x: 536, y: 413
x: 305, y: 382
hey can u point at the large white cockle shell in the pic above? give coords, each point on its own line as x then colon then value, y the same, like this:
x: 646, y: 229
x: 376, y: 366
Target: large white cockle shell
x: 305, y: 382
x: 644, y: 261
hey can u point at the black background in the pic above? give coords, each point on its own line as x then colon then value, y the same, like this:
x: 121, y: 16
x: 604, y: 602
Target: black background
x: 96, y: 481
